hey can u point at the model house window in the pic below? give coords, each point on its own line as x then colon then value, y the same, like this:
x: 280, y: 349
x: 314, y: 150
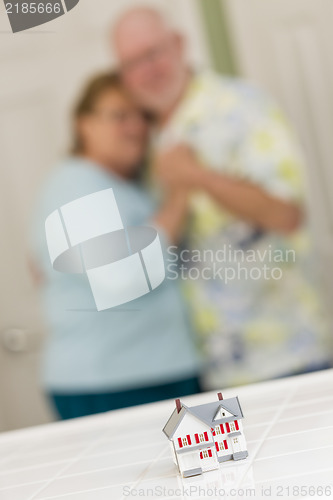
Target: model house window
x: 217, y: 429
x: 235, y: 440
x: 185, y: 441
x: 204, y: 454
x: 232, y: 427
x: 201, y: 438
x: 221, y: 446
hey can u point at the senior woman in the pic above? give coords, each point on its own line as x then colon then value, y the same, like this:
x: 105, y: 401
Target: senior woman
x: 139, y: 352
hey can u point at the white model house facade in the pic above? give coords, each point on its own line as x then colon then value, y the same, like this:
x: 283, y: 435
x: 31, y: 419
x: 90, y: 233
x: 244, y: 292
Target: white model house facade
x: 203, y: 436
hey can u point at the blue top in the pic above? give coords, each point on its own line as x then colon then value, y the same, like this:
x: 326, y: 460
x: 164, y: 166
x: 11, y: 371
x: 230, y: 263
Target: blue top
x: 144, y: 342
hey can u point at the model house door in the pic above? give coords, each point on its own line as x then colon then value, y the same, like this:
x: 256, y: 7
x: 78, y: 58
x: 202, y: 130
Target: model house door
x: 286, y: 46
x: 235, y: 441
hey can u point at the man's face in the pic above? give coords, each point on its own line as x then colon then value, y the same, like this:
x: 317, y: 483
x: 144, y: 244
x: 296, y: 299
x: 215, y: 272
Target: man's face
x: 151, y: 62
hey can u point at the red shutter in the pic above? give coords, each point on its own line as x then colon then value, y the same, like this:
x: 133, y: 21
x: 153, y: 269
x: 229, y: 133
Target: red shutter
x: 236, y: 424
x: 201, y: 454
x: 196, y: 438
x: 225, y: 444
x: 222, y: 428
x: 228, y: 427
x: 206, y: 436
x: 217, y: 446
x: 180, y: 443
x: 209, y: 453
x: 213, y: 431
x: 189, y: 439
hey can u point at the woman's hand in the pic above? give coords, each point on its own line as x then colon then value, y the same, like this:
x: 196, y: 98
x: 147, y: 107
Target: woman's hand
x: 173, y: 169
x: 173, y: 213
x: 177, y: 167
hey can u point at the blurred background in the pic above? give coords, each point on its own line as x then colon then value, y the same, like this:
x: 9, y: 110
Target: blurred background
x: 284, y: 45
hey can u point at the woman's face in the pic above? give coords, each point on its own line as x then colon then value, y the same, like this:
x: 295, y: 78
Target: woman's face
x: 115, y: 133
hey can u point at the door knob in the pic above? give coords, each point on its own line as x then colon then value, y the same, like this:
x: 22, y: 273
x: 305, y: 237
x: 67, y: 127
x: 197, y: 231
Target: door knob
x: 15, y: 339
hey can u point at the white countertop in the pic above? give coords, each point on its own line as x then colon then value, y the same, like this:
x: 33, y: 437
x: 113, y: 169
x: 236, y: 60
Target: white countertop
x: 288, y: 425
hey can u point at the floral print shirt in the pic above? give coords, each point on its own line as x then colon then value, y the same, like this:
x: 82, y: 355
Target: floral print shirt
x: 252, y: 292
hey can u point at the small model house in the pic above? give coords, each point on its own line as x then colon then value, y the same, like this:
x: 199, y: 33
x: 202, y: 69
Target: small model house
x: 201, y: 437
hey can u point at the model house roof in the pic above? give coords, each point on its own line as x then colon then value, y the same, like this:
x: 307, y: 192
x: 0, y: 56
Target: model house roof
x: 208, y: 413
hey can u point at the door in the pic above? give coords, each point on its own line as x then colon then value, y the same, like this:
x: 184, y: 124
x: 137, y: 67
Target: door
x: 42, y: 71
x: 286, y: 46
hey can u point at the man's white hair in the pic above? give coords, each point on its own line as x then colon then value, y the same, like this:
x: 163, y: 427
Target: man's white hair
x: 157, y: 7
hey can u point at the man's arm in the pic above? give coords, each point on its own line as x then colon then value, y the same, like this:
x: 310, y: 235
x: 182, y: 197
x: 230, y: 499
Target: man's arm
x: 248, y: 201
x: 179, y: 166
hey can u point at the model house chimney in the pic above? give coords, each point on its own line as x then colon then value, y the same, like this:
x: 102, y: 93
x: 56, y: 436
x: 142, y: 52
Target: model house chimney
x: 219, y: 395
x: 178, y: 405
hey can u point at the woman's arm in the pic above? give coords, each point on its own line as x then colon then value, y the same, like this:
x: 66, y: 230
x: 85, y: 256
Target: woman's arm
x: 36, y: 273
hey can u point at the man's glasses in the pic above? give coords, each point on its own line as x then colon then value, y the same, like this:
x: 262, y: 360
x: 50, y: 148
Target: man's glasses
x: 152, y: 55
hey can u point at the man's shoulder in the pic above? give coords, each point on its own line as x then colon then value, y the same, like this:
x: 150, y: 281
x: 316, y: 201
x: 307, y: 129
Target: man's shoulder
x: 210, y: 83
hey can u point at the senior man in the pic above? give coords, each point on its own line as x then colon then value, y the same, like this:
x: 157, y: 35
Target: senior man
x: 227, y: 144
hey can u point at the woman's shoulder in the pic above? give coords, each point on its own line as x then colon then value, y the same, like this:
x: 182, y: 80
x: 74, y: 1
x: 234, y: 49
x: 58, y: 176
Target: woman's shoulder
x: 74, y: 168
x: 72, y: 178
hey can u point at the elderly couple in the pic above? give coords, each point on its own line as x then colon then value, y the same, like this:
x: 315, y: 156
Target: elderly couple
x: 223, y: 171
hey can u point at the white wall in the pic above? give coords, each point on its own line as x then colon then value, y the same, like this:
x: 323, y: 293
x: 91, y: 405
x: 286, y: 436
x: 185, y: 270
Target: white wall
x: 286, y: 46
